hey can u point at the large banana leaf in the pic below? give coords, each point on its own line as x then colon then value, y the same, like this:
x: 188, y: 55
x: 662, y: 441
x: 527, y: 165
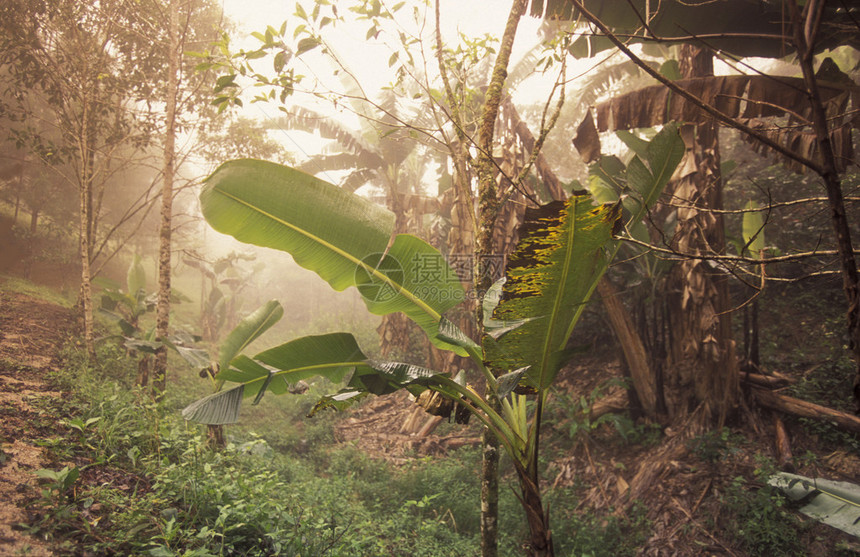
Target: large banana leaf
x: 248, y: 330
x: 559, y: 258
x: 342, y: 237
x: 831, y: 502
x: 331, y: 356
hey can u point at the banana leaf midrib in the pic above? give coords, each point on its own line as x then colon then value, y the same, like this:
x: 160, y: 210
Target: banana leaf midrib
x: 313, y: 367
x: 346, y: 255
x: 557, y: 302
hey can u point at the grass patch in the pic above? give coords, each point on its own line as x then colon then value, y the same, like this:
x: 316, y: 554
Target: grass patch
x: 10, y: 283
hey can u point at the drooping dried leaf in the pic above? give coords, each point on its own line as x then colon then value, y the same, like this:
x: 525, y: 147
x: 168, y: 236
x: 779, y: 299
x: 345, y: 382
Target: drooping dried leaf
x: 748, y: 98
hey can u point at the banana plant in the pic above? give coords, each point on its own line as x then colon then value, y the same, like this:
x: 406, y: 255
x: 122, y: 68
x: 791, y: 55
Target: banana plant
x: 125, y: 308
x: 564, y: 249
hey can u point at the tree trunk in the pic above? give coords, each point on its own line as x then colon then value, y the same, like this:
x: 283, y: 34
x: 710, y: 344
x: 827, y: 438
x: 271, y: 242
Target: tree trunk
x: 85, y: 194
x: 488, y: 210
x: 805, y: 33
x: 395, y: 329
x: 540, y: 535
x: 162, y: 310
x: 701, y: 369
x: 804, y: 409
x: 34, y: 221
x: 644, y: 381
x: 144, y: 365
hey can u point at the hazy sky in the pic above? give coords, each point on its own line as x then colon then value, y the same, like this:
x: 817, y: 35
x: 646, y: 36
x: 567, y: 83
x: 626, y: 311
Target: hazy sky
x: 367, y: 60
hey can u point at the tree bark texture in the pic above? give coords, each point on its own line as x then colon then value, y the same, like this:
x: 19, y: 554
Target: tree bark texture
x: 85, y: 195
x: 701, y: 368
x: 162, y: 310
x: 635, y: 354
x: 488, y: 208
x: 804, y: 409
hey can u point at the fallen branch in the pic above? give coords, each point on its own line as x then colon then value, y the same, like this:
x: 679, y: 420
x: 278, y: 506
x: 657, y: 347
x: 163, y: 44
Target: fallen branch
x: 783, y: 445
x: 772, y: 381
x: 804, y: 409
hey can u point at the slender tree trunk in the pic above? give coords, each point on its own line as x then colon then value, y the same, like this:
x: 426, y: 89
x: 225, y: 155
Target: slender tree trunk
x: 395, y: 328
x: 85, y: 194
x: 162, y: 311
x: 34, y: 221
x: 635, y: 354
x: 488, y: 208
x: 18, y: 197
x: 805, y: 33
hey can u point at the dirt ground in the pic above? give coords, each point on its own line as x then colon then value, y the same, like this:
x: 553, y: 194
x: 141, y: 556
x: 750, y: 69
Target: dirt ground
x: 31, y: 335
x: 682, y: 495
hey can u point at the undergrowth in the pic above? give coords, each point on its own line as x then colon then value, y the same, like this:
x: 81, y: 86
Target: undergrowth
x: 129, y: 476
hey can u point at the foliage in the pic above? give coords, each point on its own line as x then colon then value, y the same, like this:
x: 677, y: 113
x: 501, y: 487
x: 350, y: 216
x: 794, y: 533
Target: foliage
x: 528, y: 319
x: 831, y: 502
x: 169, y: 495
x: 758, y: 518
x: 604, y: 535
x: 714, y: 445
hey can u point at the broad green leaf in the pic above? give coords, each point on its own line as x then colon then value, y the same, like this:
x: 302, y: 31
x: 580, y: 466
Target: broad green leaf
x: 831, y: 502
x: 605, y: 180
x: 753, y: 229
x: 136, y: 277
x: 216, y: 409
x: 331, y: 356
x: 670, y: 69
x: 664, y: 152
x: 633, y: 141
x: 550, y: 276
x: 450, y: 332
x: 342, y: 237
x: 146, y: 346
x: 248, y: 330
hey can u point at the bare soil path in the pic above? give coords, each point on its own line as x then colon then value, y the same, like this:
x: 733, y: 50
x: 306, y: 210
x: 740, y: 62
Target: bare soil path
x: 32, y: 333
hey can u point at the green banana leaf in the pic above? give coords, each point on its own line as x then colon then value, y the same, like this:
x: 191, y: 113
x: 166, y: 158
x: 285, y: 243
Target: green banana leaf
x: 557, y: 263
x: 248, y: 330
x: 345, y: 239
x: 220, y: 408
x: 640, y: 183
x: 648, y: 176
x: 136, y: 279
x: 753, y: 229
x: 831, y: 502
x: 332, y: 356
